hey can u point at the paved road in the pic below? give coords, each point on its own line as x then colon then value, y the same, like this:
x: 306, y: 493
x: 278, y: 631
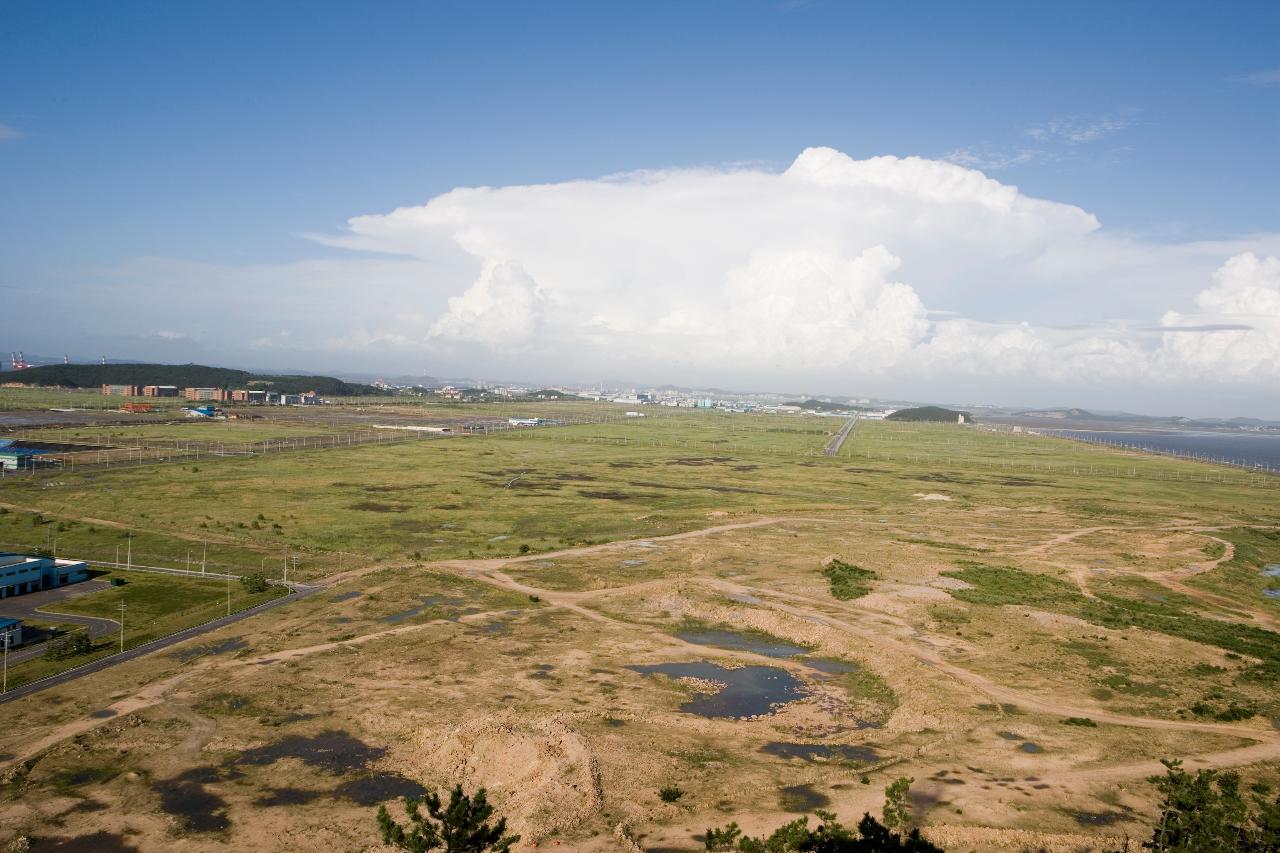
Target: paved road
x: 29, y: 608
x: 299, y: 592
x: 833, y: 446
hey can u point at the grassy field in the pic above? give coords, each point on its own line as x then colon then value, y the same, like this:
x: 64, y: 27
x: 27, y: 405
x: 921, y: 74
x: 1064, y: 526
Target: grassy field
x: 156, y: 605
x: 159, y: 604
x: 550, y: 488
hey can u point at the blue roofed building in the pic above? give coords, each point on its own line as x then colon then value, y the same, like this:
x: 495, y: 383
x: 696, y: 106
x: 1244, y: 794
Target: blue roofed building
x: 16, y: 454
x: 20, y: 573
x: 10, y: 632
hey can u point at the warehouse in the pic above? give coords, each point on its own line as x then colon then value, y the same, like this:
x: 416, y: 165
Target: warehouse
x: 10, y: 632
x: 20, y: 573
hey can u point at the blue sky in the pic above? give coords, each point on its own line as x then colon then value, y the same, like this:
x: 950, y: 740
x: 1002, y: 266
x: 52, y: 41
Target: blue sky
x: 219, y: 133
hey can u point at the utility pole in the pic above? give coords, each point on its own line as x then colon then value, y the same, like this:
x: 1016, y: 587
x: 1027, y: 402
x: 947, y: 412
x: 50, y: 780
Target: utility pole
x: 204, y: 557
x: 5, y: 687
x: 122, y: 624
x: 130, y: 549
x: 228, y: 594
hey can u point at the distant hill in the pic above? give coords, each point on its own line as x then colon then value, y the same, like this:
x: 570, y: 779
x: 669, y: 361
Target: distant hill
x: 929, y: 413
x: 1058, y: 414
x: 554, y: 394
x: 819, y: 406
x: 183, y: 376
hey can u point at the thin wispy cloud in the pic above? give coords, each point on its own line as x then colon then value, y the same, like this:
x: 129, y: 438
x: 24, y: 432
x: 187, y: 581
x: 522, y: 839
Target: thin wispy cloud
x: 1079, y: 130
x: 991, y: 160
x: 1265, y: 79
x: 1058, y: 139
x: 7, y: 132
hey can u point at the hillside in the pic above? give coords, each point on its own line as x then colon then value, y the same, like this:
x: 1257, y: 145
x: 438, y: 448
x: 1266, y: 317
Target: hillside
x: 819, y: 406
x: 183, y: 376
x: 929, y: 413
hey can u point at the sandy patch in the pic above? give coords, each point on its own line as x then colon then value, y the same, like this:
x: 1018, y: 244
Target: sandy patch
x: 541, y: 772
x: 931, y: 496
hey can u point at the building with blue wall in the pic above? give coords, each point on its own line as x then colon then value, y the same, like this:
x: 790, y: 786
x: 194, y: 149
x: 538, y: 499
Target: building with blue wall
x: 20, y: 573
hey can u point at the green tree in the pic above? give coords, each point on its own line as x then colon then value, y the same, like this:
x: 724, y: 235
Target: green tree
x: 67, y: 646
x: 1207, y: 812
x: 829, y: 836
x: 461, y: 826
x: 254, y: 583
x: 897, y: 808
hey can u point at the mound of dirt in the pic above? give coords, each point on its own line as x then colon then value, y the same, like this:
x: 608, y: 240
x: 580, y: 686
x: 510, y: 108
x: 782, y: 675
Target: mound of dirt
x: 539, y: 773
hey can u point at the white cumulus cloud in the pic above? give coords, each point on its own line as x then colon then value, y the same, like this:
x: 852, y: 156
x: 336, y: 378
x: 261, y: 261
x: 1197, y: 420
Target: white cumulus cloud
x: 827, y: 270
x: 882, y: 274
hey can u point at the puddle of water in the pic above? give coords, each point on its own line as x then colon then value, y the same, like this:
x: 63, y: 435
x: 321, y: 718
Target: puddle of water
x: 1011, y: 736
x: 631, y: 563
x: 1030, y: 747
x: 802, y: 798
x: 287, y: 797
x: 231, y: 644
x: 103, y: 714
x: 494, y: 628
x: 1271, y: 593
x: 830, y: 666
x: 759, y: 644
x: 749, y: 691
x: 1271, y: 570
x: 427, y: 601
x: 186, y: 798
x: 821, y: 752
x: 347, y: 596
x: 333, y: 750
x: 379, y: 788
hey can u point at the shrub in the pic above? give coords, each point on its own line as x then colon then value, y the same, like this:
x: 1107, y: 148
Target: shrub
x: 254, y: 583
x: 670, y: 793
x: 848, y: 581
x: 1080, y: 721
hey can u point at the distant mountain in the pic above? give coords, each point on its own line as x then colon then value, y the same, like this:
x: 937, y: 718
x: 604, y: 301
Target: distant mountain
x: 183, y: 376
x: 933, y: 414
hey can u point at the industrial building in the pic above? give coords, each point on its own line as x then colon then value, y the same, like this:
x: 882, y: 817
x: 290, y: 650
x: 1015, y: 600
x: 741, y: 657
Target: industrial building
x: 16, y: 455
x: 121, y: 390
x: 20, y: 573
x: 159, y: 390
x: 216, y: 394
x: 10, y: 632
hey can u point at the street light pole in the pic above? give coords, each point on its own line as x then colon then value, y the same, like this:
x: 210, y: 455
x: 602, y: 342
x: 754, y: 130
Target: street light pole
x: 121, y: 624
x: 130, y: 549
x: 5, y: 688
